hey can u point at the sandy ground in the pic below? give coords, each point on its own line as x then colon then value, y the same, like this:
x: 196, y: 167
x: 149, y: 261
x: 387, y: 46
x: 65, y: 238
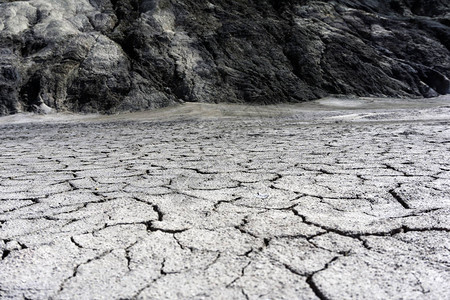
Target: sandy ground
x: 332, y: 199
x: 203, y: 111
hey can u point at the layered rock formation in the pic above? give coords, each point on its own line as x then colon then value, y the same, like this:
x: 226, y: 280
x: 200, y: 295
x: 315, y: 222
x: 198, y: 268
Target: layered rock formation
x: 110, y: 55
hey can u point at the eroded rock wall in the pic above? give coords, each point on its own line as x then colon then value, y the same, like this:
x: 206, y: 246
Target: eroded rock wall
x: 111, y: 55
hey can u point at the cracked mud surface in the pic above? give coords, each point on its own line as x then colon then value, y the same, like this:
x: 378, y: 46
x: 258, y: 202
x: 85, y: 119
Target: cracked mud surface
x: 343, y: 202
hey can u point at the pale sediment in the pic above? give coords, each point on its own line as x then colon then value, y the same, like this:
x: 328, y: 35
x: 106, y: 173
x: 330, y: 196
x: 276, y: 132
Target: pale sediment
x: 337, y: 204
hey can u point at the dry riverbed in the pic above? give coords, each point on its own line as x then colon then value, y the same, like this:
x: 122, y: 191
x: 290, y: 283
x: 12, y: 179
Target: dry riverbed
x: 332, y: 199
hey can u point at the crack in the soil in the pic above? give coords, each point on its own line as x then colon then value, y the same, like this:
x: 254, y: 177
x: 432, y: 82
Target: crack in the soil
x: 240, y: 275
x: 247, y: 254
x: 152, y: 228
x: 392, y: 168
x: 316, y: 289
x: 75, y: 270
x: 354, y: 235
x: 245, y: 294
x: 72, y: 239
x: 218, y: 203
x: 276, y: 178
x: 418, y: 213
x: 309, y: 276
x: 241, y: 228
x: 183, y: 247
x: 162, y: 273
x: 419, y: 283
x: 5, y: 254
x: 158, y: 212
x: 216, y: 259
x: 399, y: 199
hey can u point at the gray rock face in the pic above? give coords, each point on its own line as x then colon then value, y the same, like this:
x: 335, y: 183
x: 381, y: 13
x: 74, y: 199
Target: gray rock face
x: 109, y: 55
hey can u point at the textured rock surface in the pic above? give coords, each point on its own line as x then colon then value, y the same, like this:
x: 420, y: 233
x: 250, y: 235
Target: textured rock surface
x: 349, y: 204
x: 109, y: 55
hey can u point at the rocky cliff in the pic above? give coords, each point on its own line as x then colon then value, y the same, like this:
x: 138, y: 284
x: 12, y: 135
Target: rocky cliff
x: 111, y: 55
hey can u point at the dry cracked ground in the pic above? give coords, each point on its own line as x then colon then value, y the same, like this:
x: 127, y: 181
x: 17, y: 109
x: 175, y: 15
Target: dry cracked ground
x: 337, y: 199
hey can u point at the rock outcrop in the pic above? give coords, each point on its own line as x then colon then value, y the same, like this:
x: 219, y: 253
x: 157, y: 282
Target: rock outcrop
x: 115, y: 55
